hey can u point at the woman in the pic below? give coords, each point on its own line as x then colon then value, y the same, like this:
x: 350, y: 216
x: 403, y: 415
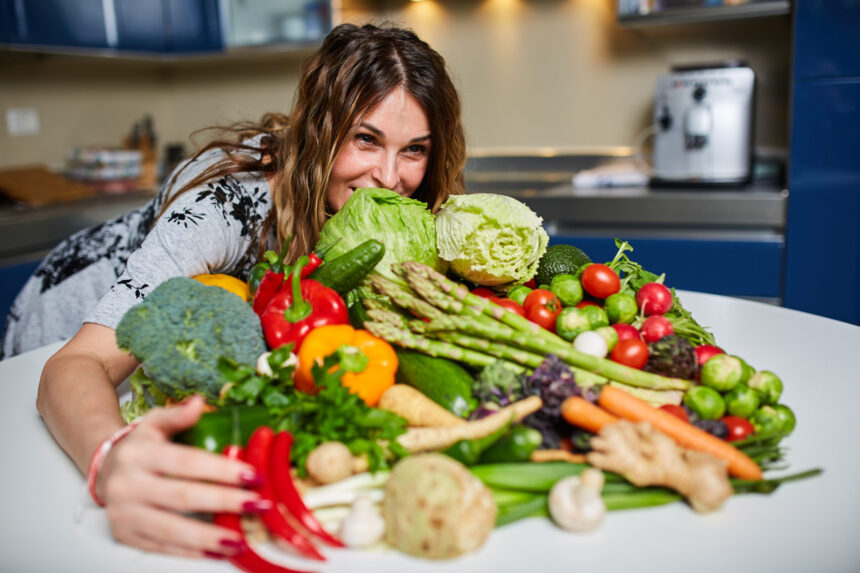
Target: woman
x: 374, y: 108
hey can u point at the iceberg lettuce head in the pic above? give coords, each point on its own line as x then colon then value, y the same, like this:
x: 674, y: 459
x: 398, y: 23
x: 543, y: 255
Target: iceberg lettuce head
x: 490, y: 239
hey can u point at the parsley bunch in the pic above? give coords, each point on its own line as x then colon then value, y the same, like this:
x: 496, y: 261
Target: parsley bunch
x: 332, y: 414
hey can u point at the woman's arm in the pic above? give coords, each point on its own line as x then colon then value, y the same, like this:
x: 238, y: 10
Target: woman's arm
x: 146, y: 481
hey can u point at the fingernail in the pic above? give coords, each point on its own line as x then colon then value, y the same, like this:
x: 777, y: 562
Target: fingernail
x: 258, y: 506
x: 251, y: 478
x: 213, y: 555
x: 236, y: 546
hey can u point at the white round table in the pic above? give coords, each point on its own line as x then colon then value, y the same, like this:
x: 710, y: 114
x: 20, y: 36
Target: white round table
x: 811, y: 525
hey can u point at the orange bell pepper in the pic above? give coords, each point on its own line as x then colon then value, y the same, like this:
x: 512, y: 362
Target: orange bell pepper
x: 370, y: 361
x: 232, y: 284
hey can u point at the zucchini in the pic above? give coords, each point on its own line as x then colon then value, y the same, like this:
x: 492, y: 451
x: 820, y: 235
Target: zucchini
x: 345, y: 272
x: 442, y: 380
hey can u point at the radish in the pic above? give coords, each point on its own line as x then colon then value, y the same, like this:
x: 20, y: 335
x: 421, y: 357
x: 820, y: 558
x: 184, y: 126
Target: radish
x: 654, y: 298
x: 656, y: 327
x: 705, y: 352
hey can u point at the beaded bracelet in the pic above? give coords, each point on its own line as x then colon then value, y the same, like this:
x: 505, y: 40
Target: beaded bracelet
x: 99, y: 457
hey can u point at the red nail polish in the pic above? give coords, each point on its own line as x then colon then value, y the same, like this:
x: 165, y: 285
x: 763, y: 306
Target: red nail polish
x: 258, y: 506
x: 233, y: 545
x: 251, y: 478
x: 213, y: 555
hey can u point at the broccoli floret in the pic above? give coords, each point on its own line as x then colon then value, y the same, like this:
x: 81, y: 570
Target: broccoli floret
x: 180, y: 331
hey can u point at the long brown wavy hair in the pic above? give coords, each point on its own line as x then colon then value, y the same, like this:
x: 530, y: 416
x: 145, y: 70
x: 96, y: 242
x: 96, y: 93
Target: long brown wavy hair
x: 352, y: 72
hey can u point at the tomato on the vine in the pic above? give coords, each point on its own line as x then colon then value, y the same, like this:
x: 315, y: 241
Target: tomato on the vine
x: 600, y: 281
x: 675, y: 410
x: 739, y: 428
x: 510, y: 305
x: 542, y: 307
x: 631, y: 352
x: 483, y: 292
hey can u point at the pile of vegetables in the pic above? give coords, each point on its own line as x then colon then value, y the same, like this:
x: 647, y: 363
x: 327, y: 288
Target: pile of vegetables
x: 411, y: 379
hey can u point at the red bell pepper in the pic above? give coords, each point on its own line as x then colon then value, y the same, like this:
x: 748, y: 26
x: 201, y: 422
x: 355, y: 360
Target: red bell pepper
x: 268, y: 277
x: 258, y: 455
x: 286, y: 492
x: 300, y: 306
x: 248, y: 560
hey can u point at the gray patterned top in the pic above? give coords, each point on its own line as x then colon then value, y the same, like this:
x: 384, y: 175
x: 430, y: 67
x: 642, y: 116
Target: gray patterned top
x: 100, y: 272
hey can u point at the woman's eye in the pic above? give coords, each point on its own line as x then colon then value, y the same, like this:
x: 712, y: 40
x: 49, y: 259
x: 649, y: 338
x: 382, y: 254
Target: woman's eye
x: 365, y: 138
x: 417, y: 149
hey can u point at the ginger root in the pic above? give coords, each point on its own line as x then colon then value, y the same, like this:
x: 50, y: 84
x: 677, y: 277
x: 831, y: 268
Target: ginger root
x: 645, y: 456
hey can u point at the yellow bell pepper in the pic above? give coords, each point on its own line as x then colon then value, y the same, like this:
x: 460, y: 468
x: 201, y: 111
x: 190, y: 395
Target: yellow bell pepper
x: 372, y: 360
x: 232, y: 284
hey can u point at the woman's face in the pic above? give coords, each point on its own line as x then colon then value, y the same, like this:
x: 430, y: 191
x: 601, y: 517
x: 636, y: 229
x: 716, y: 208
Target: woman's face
x: 389, y: 148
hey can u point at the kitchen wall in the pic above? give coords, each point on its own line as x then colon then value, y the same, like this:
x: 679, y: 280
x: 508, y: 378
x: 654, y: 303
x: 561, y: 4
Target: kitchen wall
x: 538, y: 73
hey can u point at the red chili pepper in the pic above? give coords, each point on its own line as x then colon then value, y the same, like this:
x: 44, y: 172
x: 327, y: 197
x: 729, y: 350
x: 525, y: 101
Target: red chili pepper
x: 286, y: 492
x: 258, y: 455
x: 299, y: 307
x: 248, y: 560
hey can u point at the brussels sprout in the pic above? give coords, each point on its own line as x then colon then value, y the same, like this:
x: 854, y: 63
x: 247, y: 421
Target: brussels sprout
x: 705, y: 402
x: 746, y: 370
x: 610, y: 335
x: 789, y: 421
x: 621, y: 307
x: 767, y: 420
x: 596, y: 316
x: 722, y: 372
x: 567, y: 288
x: 519, y: 293
x: 570, y: 322
x: 768, y: 385
x: 742, y: 401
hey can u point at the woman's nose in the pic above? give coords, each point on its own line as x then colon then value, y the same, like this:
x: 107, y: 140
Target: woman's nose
x: 385, y: 172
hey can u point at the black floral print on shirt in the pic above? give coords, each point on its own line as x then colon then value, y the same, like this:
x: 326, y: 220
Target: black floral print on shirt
x: 236, y: 204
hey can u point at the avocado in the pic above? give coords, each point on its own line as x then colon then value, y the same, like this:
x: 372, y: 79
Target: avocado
x: 560, y: 259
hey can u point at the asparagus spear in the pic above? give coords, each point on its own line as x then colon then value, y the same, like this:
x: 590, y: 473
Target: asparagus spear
x: 405, y: 338
x: 428, y: 282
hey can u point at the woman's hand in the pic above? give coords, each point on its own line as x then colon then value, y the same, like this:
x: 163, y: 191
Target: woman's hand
x: 147, y: 482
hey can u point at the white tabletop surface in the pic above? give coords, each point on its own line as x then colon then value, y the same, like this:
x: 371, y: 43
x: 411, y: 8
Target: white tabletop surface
x: 812, y: 525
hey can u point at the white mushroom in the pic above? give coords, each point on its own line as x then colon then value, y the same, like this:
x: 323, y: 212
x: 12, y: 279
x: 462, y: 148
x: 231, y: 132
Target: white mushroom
x: 363, y: 526
x: 575, y: 503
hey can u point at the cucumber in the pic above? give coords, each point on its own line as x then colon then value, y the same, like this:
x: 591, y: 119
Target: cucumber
x: 442, y: 380
x: 345, y: 272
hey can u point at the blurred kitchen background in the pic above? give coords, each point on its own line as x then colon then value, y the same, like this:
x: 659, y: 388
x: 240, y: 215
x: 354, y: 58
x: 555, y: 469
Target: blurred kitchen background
x: 720, y: 137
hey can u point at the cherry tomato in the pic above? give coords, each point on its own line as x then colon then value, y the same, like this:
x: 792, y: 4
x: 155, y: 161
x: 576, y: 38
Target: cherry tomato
x: 585, y: 303
x: 705, y: 352
x: 510, y: 305
x: 541, y: 297
x: 625, y: 331
x: 483, y: 292
x: 543, y: 316
x: 739, y: 428
x: 632, y: 352
x: 600, y: 281
x: 654, y: 298
x: 676, y: 411
x: 656, y: 327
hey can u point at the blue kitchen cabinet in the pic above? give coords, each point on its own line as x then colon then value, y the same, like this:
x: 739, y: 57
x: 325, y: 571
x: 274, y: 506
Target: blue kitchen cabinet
x: 141, y: 25
x: 751, y: 269
x: 194, y: 25
x: 8, y: 22
x: 68, y: 23
x: 823, y: 215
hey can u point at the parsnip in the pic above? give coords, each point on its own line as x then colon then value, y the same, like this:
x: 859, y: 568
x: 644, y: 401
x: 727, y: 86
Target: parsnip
x: 416, y: 408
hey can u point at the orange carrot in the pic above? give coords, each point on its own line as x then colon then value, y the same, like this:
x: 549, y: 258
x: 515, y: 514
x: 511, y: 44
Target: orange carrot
x: 583, y: 414
x: 628, y: 407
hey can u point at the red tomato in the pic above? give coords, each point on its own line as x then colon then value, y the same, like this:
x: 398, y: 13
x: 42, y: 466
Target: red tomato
x: 600, y: 281
x: 739, y: 428
x: 585, y: 303
x: 483, y: 292
x: 707, y: 351
x: 654, y: 298
x: 676, y: 411
x: 510, y: 305
x: 541, y: 297
x: 632, y: 352
x: 543, y: 316
x: 656, y: 327
x: 625, y: 331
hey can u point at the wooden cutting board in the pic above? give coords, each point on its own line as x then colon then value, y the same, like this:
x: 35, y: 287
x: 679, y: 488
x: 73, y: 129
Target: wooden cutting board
x: 36, y: 185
